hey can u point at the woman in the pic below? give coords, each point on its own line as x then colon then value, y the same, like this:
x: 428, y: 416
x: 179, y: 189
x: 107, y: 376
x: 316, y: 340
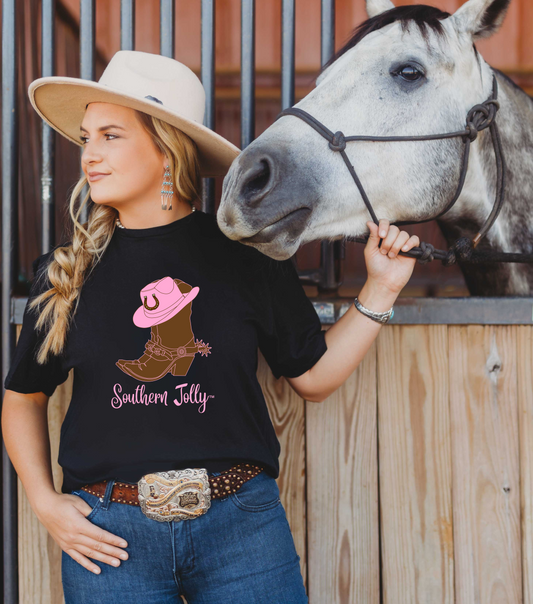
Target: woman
x: 169, y: 456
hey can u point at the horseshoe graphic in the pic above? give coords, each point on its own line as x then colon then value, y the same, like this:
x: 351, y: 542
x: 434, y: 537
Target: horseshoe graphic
x: 151, y: 307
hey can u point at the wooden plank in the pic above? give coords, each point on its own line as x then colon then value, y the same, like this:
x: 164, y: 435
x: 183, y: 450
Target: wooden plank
x: 287, y: 411
x: 342, y: 492
x: 37, y: 581
x: 415, y: 465
x: 485, y: 461
x: 525, y: 414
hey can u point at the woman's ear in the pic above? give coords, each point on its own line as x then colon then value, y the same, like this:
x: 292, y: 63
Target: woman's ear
x: 480, y: 18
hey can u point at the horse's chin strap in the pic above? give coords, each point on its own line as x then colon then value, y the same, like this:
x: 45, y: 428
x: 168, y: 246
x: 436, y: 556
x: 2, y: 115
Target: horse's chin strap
x: 479, y: 118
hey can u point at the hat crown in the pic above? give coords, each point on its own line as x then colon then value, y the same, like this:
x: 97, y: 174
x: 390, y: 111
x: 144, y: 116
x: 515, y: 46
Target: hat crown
x: 165, y: 290
x: 147, y: 82
x: 145, y: 74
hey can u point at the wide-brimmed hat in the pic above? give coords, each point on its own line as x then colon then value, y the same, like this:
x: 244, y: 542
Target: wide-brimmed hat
x: 161, y: 300
x: 152, y: 83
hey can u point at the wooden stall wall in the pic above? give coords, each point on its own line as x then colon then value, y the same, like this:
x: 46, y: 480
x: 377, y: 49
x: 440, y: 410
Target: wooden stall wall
x: 411, y: 483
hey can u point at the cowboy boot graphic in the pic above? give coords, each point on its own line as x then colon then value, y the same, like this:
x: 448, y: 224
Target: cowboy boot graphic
x: 166, y: 309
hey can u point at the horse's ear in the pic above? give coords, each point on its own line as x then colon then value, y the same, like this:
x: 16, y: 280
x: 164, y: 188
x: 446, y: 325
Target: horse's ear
x: 480, y: 18
x: 376, y: 7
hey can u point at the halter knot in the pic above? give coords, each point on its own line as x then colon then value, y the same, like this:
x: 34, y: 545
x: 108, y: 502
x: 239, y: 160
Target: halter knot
x: 461, y: 250
x: 427, y: 252
x: 338, y: 143
x: 472, y: 131
x: 480, y: 117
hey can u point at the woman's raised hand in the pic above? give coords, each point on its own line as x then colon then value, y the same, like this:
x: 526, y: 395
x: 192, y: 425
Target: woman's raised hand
x: 64, y: 517
x: 385, y: 267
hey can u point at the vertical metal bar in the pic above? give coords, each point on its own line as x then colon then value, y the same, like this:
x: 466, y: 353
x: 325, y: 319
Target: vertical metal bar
x: 247, y: 72
x: 329, y: 251
x: 127, y: 24
x: 87, y: 65
x: 48, y: 147
x: 9, y: 276
x: 327, y: 30
x: 287, y: 61
x: 166, y: 28
x: 87, y: 39
x: 287, y: 53
x: 208, y: 81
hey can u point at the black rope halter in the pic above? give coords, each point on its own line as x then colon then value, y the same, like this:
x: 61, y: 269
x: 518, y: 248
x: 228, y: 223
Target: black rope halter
x: 479, y: 118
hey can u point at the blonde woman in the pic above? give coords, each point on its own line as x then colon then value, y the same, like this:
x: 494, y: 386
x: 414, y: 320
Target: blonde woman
x: 168, y: 453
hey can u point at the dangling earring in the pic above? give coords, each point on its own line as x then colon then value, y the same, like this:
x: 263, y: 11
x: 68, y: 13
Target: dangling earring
x: 167, y: 194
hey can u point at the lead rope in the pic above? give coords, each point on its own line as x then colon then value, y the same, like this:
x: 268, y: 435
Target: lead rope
x: 479, y: 117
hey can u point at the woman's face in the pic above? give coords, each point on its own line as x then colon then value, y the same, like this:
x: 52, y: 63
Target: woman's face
x: 116, y: 144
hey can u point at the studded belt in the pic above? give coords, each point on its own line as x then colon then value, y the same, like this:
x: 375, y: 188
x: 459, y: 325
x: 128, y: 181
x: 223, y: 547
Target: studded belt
x: 177, y: 494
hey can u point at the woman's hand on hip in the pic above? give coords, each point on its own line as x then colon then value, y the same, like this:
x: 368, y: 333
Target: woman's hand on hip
x: 385, y: 266
x: 64, y: 517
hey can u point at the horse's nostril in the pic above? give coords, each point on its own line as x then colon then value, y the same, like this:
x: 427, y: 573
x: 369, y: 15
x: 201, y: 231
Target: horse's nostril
x: 256, y: 180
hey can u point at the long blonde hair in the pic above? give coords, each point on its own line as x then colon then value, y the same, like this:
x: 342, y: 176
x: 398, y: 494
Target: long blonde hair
x: 72, y: 263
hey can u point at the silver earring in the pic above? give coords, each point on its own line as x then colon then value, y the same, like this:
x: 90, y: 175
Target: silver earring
x: 165, y: 193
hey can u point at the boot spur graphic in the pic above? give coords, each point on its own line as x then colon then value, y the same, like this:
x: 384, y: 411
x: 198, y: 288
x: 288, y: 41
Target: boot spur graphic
x: 166, y: 309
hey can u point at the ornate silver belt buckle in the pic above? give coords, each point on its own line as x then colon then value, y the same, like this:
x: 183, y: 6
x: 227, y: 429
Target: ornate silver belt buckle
x: 175, y: 495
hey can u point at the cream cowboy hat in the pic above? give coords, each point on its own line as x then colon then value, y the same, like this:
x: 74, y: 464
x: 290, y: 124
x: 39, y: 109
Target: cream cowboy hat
x: 152, y: 83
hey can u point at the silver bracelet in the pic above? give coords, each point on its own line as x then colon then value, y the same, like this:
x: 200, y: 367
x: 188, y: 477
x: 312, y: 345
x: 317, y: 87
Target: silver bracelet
x: 379, y: 317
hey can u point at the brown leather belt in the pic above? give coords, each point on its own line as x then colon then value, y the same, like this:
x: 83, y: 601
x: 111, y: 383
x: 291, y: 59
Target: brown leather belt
x: 224, y: 484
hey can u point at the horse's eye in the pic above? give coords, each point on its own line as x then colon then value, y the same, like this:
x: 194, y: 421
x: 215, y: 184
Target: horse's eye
x: 409, y: 73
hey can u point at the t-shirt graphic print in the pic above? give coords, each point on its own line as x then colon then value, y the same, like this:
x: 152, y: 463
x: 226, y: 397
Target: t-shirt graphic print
x: 166, y: 309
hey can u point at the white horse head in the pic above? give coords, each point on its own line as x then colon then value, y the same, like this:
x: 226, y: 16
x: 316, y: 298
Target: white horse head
x: 410, y: 70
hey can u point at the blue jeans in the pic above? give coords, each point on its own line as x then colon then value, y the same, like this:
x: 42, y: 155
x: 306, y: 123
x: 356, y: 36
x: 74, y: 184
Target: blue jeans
x: 241, y: 551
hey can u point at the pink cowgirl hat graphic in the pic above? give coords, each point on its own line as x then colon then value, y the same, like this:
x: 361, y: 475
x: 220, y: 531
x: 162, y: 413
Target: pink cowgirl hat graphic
x: 161, y: 300
x: 166, y: 308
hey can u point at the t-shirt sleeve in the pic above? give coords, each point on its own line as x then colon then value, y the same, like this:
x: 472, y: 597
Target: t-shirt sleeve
x: 25, y: 375
x: 290, y: 336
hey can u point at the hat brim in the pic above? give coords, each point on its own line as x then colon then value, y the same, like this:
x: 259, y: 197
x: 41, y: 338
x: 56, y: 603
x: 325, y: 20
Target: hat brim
x: 61, y: 102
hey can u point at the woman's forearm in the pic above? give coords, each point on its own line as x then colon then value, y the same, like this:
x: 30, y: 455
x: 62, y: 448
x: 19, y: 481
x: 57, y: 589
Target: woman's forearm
x: 27, y: 441
x: 352, y: 335
x: 348, y: 342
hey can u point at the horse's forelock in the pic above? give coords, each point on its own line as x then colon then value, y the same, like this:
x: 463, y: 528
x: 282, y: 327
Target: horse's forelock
x: 425, y: 17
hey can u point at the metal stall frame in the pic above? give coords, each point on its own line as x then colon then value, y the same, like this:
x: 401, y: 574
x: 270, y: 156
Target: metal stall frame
x: 9, y: 275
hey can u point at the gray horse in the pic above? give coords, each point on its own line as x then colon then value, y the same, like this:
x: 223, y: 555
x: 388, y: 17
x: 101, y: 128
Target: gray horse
x: 410, y: 70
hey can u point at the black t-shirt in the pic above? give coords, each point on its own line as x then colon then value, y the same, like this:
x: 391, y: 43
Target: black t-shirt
x: 164, y: 349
